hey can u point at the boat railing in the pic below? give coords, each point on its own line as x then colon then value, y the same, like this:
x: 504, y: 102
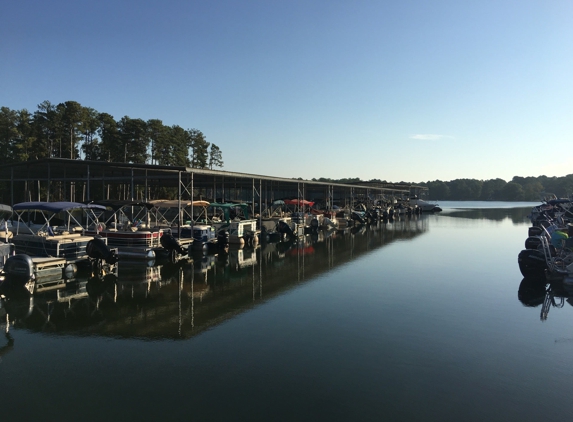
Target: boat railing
x: 557, y: 259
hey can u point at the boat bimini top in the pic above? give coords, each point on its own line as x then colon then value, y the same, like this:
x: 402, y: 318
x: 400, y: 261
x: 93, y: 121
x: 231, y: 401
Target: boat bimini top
x: 186, y: 210
x: 5, y: 212
x: 241, y: 209
x: 43, y: 214
x: 54, y: 207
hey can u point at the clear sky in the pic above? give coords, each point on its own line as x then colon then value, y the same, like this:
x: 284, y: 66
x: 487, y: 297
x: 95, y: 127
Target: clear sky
x: 403, y: 90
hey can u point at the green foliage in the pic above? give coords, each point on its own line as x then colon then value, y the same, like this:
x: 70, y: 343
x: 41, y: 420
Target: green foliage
x: 8, y: 134
x: 24, y: 146
x: 178, y: 140
x: 491, y: 189
x: 46, y: 123
x: 69, y: 130
x: 199, y: 149
x: 439, y: 189
x: 518, y: 189
x: 91, y: 146
x: 134, y: 140
x: 513, y: 192
x: 465, y: 189
x: 215, y: 157
x: 72, y: 117
x: 159, y: 137
x: 110, y: 138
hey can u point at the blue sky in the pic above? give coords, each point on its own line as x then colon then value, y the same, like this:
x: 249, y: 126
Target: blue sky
x: 405, y: 90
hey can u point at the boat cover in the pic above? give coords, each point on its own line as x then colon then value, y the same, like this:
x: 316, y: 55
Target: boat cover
x: 116, y: 205
x: 299, y: 202
x: 228, y: 205
x: 5, y: 211
x: 55, y: 207
x: 173, y: 203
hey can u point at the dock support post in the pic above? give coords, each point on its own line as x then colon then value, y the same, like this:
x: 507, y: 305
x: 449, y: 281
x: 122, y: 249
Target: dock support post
x: 179, y: 204
x: 88, y: 183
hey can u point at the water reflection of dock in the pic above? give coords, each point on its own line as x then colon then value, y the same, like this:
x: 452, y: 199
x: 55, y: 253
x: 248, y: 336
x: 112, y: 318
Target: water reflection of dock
x: 181, y: 300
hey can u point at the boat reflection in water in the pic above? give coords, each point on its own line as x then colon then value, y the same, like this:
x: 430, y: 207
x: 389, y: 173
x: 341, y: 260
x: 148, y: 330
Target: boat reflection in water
x: 180, y: 300
x: 552, y: 293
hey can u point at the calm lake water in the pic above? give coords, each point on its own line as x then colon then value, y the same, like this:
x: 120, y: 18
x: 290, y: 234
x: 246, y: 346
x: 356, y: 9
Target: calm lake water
x: 420, y: 319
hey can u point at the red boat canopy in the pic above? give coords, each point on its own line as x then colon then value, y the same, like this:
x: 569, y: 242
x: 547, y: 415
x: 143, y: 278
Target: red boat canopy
x: 298, y: 202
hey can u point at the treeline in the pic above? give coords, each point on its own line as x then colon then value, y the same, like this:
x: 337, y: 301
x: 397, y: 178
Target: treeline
x: 518, y: 189
x: 70, y: 130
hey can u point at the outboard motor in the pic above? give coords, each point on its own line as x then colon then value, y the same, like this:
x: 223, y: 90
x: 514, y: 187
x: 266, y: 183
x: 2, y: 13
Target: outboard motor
x: 19, y: 269
x: 314, y: 225
x: 98, y: 250
x: 284, y: 228
x: 270, y: 236
x: 19, y: 273
x: 357, y: 217
x: 372, y: 216
x: 169, y: 242
x: 532, y: 242
x: 223, y: 238
x: 376, y: 214
x: 532, y: 263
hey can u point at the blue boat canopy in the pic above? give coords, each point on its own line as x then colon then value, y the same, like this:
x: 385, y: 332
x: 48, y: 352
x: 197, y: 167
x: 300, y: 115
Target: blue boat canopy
x: 55, y: 207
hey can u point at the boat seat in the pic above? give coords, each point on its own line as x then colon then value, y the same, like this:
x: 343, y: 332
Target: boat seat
x: 6, y: 234
x: 82, y: 238
x: 65, y: 237
x: 71, y: 235
x: 25, y: 236
x: 58, y: 239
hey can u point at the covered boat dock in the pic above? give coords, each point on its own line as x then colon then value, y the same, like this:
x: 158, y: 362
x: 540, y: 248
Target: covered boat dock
x: 58, y: 179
